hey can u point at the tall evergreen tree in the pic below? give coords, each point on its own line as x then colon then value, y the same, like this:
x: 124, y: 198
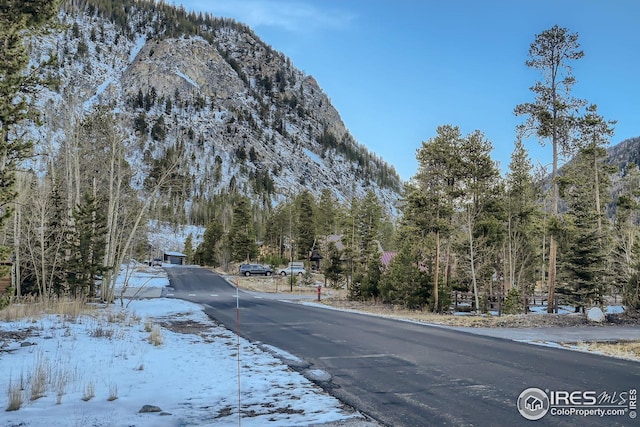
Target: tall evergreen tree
x: 188, y: 248
x: 206, y: 253
x: 584, y: 266
x: 552, y: 115
x: 593, y: 135
x: 17, y: 20
x: 582, y: 270
x: 367, y: 272
x: 481, y: 212
x: 523, y: 221
x: 58, y: 241
x: 85, y: 265
x: 350, y: 238
x: 306, y: 226
x: 279, y: 226
x: 332, y: 266
x: 327, y: 212
x: 430, y: 203
x: 241, y: 237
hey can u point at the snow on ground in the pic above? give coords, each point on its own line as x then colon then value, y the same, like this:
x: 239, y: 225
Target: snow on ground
x: 100, y: 369
x: 187, y: 78
x: 141, y: 40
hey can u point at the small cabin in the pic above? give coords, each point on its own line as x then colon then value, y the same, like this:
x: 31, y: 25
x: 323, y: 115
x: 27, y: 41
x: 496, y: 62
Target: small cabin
x: 175, y: 258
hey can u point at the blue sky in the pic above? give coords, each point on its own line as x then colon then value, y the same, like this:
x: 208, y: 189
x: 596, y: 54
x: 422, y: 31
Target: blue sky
x: 397, y: 69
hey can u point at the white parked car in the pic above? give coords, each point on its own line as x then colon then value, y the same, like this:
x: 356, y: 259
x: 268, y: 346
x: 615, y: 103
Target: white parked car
x: 292, y: 269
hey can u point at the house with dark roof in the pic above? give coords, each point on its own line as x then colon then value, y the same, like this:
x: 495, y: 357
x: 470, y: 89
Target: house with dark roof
x: 176, y: 258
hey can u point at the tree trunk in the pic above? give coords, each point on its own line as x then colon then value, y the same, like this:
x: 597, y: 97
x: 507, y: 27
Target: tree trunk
x: 597, y: 186
x: 113, y: 209
x: 472, y: 262
x: 436, y: 274
x: 552, y: 274
x: 16, y: 233
x: 553, y: 251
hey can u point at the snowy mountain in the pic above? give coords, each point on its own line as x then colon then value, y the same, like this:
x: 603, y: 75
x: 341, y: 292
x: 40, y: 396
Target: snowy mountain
x: 237, y: 115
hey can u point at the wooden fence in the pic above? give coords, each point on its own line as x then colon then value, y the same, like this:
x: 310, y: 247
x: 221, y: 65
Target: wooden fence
x: 465, y: 302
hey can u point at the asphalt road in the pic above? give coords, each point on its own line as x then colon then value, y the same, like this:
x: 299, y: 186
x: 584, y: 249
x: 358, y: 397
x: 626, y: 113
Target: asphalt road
x: 407, y: 374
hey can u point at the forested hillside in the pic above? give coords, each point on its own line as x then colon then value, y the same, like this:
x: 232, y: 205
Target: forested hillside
x: 135, y: 111
x: 203, y: 98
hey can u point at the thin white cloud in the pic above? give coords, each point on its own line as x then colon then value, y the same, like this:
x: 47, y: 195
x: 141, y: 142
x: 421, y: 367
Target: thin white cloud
x: 292, y: 16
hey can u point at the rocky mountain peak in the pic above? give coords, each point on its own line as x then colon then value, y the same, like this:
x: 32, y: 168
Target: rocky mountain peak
x: 237, y: 112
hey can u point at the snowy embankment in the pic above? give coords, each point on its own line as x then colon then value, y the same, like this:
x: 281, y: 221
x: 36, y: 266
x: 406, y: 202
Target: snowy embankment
x: 101, y: 367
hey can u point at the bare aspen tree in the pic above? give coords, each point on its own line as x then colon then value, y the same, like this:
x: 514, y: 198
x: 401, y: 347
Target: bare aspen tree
x: 480, y: 179
x: 39, y: 241
x: 102, y: 142
x: 108, y: 287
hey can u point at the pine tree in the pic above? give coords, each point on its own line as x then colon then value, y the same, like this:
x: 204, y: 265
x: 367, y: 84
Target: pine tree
x: 405, y: 282
x: 369, y: 250
x: 277, y: 228
x: 188, y: 248
x: 593, y: 135
x: 306, y: 227
x: 333, y: 269
x: 85, y: 265
x: 431, y: 201
x: 481, y: 212
x: 242, y: 240
x: 17, y: 21
x: 582, y: 270
x: 523, y: 222
x: 58, y: 242
x: 326, y: 220
x: 207, y: 251
x: 584, y: 265
x: 552, y: 116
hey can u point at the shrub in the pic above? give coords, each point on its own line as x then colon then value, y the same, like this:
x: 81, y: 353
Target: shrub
x: 513, y: 303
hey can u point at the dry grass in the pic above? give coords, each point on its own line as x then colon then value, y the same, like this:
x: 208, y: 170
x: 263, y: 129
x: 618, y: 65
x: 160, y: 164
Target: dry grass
x: 15, y: 396
x: 282, y: 285
x: 621, y: 349
x: 467, y: 320
x: 61, y: 388
x: 40, y: 377
x: 35, y: 308
x: 89, y: 391
x: 113, y: 392
x: 56, y: 376
x: 148, y: 325
x: 101, y: 332
x: 39, y: 380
